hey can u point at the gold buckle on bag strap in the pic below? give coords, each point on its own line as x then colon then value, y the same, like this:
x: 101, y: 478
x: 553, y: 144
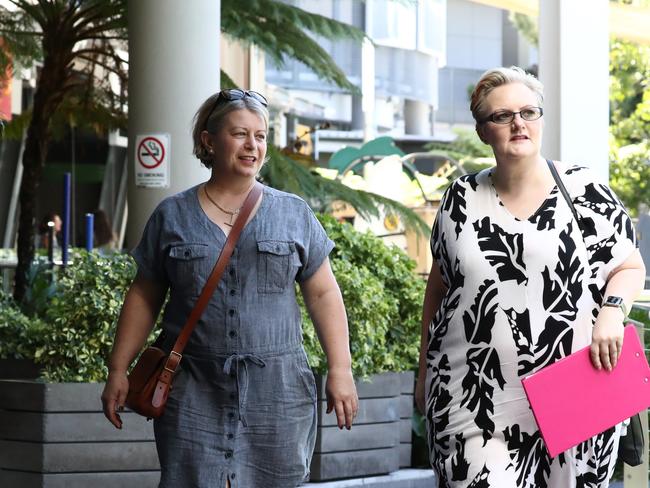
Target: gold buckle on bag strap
x: 169, y: 359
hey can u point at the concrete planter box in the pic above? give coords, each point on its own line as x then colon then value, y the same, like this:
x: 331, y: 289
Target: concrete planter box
x: 54, y: 435
x: 373, y: 446
x: 407, y: 387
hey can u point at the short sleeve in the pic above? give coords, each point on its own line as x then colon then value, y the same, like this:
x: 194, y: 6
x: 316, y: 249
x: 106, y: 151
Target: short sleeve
x: 609, y: 232
x: 149, y: 254
x: 436, y: 231
x: 440, y: 239
x: 317, y: 246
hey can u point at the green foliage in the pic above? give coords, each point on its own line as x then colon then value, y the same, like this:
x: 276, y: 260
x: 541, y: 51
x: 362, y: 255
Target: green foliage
x: 41, y: 284
x: 629, y: 176
x: 383, y: 298
x: 635, y: 128
x: 17, y: 47
x: 19, y: 334
x: 71, y: 335
x: 281, y: 30
x: 629, y: 67
x: 82, y: 317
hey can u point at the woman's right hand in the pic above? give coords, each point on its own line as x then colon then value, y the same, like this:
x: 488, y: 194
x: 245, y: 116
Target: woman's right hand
x: 114, y: 396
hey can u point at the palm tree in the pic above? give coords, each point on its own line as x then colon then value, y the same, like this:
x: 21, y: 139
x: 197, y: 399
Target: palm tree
x: 78, y: 41
x: 75, y: 40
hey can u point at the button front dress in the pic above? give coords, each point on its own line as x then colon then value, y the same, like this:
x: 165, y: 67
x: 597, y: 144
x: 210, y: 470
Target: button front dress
x: 243, y: 405
x: 521, y: 294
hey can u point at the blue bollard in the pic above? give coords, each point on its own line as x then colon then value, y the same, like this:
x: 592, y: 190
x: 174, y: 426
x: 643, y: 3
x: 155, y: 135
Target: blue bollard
x: 89, y: 231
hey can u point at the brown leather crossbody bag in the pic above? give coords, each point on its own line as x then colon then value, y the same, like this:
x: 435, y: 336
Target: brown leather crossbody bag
x: 151, y: 378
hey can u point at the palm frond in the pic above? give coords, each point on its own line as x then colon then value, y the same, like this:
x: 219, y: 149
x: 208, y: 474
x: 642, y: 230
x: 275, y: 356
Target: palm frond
x: 282, y: 13
x: 283, y: 173
x: 20, y: 42
x: 281, y: 30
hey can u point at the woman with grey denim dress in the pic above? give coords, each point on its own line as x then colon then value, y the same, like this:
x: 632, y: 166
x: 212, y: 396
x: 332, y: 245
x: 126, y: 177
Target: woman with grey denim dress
x: 242, y: 412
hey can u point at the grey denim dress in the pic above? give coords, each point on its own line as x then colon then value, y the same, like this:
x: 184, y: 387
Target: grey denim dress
x: 243, y: 405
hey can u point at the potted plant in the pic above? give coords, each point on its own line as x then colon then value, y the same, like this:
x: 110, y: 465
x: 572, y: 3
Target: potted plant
x: 52, y: 429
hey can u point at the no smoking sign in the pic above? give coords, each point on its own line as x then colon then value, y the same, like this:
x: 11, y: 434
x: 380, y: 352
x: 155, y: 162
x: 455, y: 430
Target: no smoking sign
x: 152, y: 161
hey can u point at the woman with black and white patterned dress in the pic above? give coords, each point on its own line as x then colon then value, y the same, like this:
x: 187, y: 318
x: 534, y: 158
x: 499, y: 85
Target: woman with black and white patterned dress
x: 514, y: 287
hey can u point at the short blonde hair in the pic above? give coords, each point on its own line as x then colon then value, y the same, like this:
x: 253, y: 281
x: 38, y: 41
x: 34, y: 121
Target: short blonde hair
x: 210, y: 117
x: 496, y: 77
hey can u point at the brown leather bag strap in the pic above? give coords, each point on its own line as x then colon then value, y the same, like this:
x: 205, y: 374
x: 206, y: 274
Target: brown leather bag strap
x: 175, y: 355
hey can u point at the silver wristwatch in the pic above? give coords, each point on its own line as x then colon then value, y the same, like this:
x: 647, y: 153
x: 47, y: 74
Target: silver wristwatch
x: 614, y: 301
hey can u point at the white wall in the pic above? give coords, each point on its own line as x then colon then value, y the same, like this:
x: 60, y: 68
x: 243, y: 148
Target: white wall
x: 474, y: 35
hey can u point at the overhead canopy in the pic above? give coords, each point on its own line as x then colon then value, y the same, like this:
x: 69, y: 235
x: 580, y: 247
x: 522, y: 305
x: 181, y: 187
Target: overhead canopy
x: 625, y: 21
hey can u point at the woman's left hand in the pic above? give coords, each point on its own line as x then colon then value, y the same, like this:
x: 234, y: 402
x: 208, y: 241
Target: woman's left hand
x: 342, y: 396
x: 607, y: 338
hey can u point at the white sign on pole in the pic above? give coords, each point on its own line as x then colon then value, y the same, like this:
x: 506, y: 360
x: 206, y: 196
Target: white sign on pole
x: 152, y: 160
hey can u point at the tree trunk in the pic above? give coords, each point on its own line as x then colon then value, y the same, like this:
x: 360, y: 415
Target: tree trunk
x: 47, y: 98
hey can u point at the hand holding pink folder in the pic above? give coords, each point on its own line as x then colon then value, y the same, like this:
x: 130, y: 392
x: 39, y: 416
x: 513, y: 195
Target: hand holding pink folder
x: 572, y: 401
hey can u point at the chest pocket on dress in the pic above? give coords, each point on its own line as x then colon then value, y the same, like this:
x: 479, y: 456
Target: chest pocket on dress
x: 275, y: 262
x: 187, y: 266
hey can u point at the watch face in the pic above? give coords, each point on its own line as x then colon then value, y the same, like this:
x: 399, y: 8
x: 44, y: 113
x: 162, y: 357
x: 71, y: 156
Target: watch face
x: 614, y: 301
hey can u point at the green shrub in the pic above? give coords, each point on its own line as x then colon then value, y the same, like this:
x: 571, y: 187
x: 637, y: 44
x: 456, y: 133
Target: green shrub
x: 67, y: 322
x: 82, y: 317
x: 629, y: 176
x: 383, y: 298
x: 72, y: 336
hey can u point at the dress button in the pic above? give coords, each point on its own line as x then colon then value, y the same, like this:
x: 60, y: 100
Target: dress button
x: 231, y: 312
x: 232, y: 476
x: 230, y: 436
x: 187, y: 253
x: 232, y: 333
x: 231, y: 272
x: 228, y: 455
x: 232, y: 292
x: 231, y: 415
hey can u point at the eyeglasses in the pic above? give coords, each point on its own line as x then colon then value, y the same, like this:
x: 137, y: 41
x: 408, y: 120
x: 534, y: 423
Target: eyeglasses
x: 232, y: 94
x: 506, y: 116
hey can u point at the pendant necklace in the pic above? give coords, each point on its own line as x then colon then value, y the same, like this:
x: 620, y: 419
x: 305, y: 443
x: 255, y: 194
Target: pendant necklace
x: 231, y: 214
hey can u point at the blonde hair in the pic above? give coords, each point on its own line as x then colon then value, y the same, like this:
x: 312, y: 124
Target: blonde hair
x: 210, y: 117
x: 496, y: 77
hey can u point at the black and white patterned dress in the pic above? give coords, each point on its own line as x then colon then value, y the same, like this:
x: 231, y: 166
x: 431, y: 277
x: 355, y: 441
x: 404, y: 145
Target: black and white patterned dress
x: 521, y: 295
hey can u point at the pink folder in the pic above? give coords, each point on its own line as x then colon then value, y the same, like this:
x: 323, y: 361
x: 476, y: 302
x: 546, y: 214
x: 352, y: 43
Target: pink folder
x: 572, y: 401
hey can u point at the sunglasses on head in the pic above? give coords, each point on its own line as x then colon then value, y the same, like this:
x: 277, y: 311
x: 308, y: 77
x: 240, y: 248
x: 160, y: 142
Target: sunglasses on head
x: 232, y: 94
x: 236, y: 94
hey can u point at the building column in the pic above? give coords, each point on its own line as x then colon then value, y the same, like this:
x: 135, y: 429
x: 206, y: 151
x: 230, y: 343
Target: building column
x: 574, y: 68
x: 173, y: 67
x: 417, y: 118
